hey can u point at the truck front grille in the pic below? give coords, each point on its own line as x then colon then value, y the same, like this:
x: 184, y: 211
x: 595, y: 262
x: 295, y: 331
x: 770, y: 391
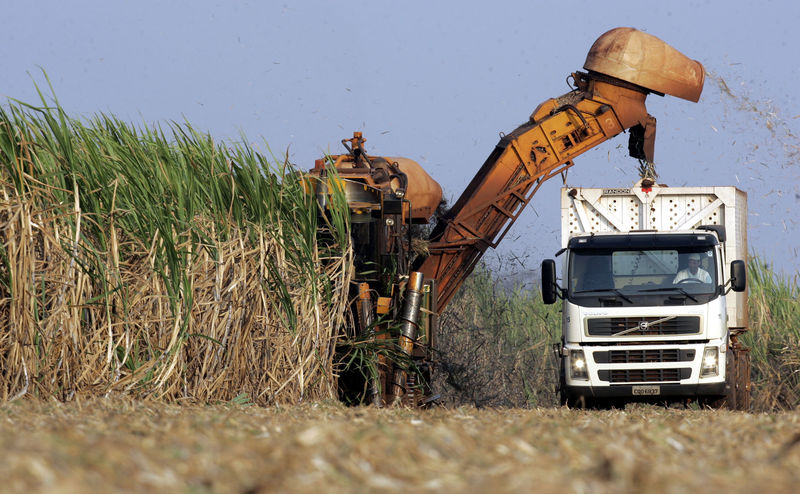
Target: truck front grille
x: 643, y: 356
x: 644, y: 375
x: 643, y: 326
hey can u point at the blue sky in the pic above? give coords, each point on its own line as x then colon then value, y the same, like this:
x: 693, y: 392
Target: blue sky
x: 433, y: 81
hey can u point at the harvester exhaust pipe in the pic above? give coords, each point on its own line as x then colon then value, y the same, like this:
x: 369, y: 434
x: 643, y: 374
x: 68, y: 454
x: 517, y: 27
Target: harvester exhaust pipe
x: 409, y: 325
x: 367, y: 320
x: 365, y: 308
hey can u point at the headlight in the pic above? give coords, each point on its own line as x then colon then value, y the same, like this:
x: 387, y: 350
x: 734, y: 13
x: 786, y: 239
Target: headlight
x: 577, y: 365
x: 710, y: 365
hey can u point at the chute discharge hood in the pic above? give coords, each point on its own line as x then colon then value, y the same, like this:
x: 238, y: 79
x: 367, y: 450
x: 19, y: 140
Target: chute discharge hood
x: 644, y: 60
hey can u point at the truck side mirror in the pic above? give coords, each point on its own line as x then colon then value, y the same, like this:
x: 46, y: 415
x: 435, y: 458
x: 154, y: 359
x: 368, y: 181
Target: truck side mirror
x: 738, y: 276
x: 549, y: 286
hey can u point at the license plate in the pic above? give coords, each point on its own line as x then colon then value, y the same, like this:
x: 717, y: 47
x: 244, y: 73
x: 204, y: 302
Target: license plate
x: 646, y: 390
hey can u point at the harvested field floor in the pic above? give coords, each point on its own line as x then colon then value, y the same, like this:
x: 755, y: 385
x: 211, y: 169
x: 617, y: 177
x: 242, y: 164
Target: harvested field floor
x: 120, y: 445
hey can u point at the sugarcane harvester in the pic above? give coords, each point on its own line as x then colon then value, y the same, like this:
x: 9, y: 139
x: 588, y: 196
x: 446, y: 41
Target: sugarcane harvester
x: 402, y: 284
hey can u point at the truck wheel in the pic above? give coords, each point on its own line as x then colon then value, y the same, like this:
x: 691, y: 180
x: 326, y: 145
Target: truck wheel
x: 742, y: 379
x: 738, y: 379
x: 714, y: 402
x: 562, y: 386
x: 731, y: 378
x: 728, y: 400
x: 578, y: 402
x: 737, y: 382
x: 565, y: 399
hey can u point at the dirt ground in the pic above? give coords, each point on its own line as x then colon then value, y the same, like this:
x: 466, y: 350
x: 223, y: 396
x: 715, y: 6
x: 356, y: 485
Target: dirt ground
x: 103, y: 445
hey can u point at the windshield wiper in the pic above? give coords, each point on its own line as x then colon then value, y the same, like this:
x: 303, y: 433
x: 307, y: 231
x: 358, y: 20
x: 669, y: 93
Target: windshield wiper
x: 670, y: 289
x: 614, y: 290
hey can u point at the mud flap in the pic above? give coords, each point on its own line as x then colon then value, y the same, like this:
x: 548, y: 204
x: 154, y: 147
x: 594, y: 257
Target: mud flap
x: 738, y: 378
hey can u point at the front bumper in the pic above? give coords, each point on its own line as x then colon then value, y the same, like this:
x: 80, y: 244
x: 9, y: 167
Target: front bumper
x: 664, y: 390
x: 644, y: 371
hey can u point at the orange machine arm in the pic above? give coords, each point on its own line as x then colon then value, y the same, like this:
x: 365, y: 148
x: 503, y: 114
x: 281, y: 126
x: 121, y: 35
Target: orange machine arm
x: 624, y: 65
x: 559, y: 130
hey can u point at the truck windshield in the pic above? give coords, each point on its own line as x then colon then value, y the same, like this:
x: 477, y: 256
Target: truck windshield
x: 674, y: 276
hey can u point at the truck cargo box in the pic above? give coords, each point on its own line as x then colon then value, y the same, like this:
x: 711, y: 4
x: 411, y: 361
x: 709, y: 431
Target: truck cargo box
x: 663, y: 208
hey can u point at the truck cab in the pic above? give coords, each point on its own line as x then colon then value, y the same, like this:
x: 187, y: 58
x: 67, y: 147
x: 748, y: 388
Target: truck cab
x: 646, y: 313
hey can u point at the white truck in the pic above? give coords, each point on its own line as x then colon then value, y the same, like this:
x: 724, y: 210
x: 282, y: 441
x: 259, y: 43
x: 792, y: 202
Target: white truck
x: 653, y: 288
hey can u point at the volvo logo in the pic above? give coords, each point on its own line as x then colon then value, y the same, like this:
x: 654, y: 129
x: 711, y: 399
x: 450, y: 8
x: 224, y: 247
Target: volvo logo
x: 644, y: 326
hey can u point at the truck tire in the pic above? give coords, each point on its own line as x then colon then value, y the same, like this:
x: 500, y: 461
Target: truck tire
x: 578, y: 402
x: 737, y: 382
x: 742, y: 383
x: 731, y: 378
x: 564, y: 398
x: 728, y: 400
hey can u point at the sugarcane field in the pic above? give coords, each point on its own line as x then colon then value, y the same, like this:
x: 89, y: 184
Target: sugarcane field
x: 170, y: 332
x: 592, y: 309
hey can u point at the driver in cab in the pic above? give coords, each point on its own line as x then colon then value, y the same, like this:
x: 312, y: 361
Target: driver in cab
x: 693, y: 272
